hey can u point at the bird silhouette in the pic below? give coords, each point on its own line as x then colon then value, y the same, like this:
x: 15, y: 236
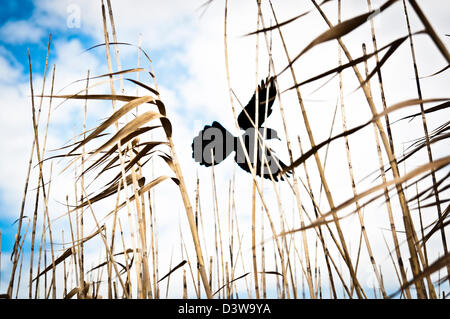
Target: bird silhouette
x: 214, y: 143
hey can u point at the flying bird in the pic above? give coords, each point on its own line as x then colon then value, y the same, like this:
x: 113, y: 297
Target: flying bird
x: 214, y: 143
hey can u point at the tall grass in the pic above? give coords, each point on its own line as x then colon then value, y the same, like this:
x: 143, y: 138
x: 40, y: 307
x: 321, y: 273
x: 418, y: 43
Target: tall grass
x: 316, y: 251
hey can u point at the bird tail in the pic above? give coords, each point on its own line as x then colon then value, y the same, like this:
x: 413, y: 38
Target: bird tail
x: 212, y: 145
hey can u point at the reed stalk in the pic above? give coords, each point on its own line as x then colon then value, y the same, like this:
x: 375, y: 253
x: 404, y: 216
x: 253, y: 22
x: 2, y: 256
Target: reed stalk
x: 322, y: 175
x: 294, y: 178
x: 319, y: 229
x: 380, y: 158
x: 425, y: 131
x: 122, y: 161
x: 350, y: 169
x: 248, y: 161
x: 64, y: 266
x: 409, y: 226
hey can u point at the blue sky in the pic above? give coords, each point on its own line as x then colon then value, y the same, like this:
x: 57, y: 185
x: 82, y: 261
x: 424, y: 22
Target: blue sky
x: 187, y: 51
x: 28, y: 15
x: 16, y: 54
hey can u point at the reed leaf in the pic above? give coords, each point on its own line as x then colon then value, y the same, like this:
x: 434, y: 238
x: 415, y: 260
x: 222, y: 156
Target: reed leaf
x: 392, y: 47
x: 181, y: 264
x: 129, y: 128
x: 114, y: 118
x: 339, y: 30
x: 72, y: 293
x: 229, y: 282
x: 388, y: 110
x: 435, y: 266
x: 58, y: 260
x: 435, y: 165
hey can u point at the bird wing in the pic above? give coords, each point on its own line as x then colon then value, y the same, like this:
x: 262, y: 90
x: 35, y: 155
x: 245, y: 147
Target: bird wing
x: 273, y: 166
x: 213, y: 138
x: 265, y: 99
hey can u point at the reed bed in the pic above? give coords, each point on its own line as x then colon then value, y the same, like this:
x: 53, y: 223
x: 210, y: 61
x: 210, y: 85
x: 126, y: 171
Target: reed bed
x: 298, y: 244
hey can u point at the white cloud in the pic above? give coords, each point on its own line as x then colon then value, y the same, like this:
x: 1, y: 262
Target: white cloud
x: 10, y: 73
x: 18, y: 32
